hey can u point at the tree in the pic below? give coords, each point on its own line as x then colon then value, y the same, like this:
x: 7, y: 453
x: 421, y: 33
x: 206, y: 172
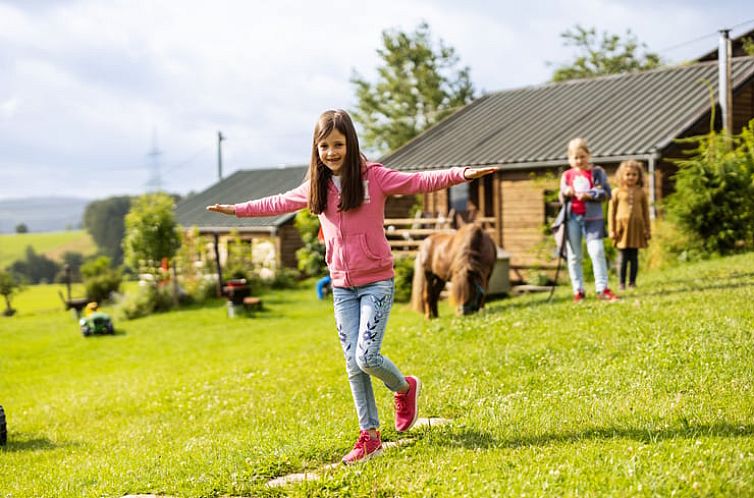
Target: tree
x: 103, y: 220
x: 22, y: 228
x: 599, y: 56
x: 418, y: 86
x: 713, y: 201
x: 151, y: 232
x: 73, y: 260
x: 8, y: 287
x: 35, y: 268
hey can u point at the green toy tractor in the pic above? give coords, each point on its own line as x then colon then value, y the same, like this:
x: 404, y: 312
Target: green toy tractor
x: 95, y: 322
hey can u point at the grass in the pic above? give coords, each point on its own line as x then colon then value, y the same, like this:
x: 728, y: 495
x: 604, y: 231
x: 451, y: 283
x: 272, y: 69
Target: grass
x: 51, y: 244
x: 652, y: 396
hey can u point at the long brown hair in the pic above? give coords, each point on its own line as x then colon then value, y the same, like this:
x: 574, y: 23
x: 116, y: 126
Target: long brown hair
x: 352, y: 188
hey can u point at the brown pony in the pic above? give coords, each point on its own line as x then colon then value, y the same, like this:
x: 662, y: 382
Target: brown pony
x: 465, y: 258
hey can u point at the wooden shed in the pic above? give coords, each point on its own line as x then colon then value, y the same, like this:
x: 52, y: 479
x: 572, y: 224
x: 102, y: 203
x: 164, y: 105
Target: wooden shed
x: 524, y: 132
x: 278, y: 230
x: 239, y: 187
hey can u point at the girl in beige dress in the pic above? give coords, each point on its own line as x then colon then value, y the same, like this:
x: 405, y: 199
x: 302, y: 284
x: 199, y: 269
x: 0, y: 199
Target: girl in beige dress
x: 628, y: 219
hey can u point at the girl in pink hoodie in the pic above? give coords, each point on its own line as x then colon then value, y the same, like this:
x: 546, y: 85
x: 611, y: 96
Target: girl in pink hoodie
x: 348, y: 195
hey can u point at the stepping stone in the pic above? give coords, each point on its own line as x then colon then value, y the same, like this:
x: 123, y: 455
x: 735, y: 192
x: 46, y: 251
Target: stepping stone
x: 309, y: 476
x: 432, y: 422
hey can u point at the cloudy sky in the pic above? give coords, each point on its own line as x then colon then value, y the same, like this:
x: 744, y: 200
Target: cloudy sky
x: 88, y: 89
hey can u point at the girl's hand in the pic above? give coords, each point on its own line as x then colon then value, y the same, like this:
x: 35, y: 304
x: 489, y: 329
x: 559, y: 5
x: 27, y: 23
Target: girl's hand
x: 568, y: 192
x: 222, y: 209
x: 473, y: 174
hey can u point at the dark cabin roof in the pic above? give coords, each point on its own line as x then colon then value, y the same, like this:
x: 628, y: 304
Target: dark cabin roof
x: 239, y: 187
x: 632, y: 114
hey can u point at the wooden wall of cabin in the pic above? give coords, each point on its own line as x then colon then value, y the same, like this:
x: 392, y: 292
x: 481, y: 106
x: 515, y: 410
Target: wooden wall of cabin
x: 523, y: 216
x: 399, y: 206
x: 436, y: 203
x: 288, y: 243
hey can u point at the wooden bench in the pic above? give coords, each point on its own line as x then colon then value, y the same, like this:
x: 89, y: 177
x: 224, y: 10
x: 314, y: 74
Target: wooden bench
x: 252, y: 303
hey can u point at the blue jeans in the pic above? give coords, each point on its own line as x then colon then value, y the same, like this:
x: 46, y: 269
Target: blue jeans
x: 579, y: 228
x: 361, y: 315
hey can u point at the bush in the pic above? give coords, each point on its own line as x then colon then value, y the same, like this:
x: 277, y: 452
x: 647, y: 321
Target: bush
x: 285, y: 278
x: 100, y: 279
x: 404, y: 275
x: 714, y: 192
x: 669, y: 246
x: 310, y: 257
x: 147, y: 299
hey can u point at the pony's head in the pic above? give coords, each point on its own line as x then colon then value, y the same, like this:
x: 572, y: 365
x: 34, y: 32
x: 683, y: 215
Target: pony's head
x: 468, y: 291
x: 471, y: 268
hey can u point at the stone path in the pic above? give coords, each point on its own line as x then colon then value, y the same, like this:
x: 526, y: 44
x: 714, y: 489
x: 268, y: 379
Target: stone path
x: 316, y: 474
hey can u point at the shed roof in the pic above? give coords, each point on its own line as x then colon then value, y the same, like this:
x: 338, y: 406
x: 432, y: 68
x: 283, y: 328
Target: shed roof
x: 239, y: 187
x: 622, y: 115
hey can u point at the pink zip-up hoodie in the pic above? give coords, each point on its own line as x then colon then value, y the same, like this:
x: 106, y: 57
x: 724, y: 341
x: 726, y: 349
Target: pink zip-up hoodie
x: 357, y: 251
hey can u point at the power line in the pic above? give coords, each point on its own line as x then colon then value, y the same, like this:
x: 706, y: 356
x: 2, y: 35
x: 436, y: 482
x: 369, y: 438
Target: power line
x: 703, y: 37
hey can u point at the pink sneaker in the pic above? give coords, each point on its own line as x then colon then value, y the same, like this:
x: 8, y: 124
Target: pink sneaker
x: 607, y: 295
x: 579, y: 296
x: 364, y: 449
x: 406, y: 405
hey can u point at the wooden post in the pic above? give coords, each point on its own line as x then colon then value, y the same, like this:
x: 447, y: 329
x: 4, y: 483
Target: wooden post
x: 219, y: 268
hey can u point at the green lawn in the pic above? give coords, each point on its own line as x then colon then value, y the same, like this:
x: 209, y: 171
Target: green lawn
x: 652, y: 396
x: 51, y: 244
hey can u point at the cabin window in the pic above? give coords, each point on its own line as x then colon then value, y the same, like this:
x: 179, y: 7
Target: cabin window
x: 552, y: 206
x: 459, y: 197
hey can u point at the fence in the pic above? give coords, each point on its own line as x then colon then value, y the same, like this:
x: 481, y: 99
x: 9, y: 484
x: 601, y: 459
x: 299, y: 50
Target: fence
x: 405, y: 234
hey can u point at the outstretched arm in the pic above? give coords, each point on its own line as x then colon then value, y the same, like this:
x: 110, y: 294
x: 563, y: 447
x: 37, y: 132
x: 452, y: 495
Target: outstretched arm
x: 397, y: 182
x: 274, y: 205
x: 228, y: 209
x: 473, y: 174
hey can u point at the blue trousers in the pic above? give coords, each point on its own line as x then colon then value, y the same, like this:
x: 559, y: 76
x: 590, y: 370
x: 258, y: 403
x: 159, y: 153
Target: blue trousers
x: 361, y: 315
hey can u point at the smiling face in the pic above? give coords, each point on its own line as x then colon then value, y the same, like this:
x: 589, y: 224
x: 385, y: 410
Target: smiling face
x: 332, y: 151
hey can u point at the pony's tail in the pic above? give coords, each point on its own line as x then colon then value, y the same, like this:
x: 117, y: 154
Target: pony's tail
x: 418, y: 285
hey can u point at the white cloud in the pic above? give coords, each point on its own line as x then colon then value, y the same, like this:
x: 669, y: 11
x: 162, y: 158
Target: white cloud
x: 87, y: 83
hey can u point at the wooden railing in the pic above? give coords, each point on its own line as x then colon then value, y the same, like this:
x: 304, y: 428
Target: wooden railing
x: 405, y: 234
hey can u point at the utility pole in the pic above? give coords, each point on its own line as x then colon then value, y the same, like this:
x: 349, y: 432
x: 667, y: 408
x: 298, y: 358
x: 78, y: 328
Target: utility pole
x: 154, y: 184
x: 220, y: 139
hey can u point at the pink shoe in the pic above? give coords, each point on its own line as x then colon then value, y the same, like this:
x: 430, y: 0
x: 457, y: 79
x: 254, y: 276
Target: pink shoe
x: 364, y: 449
x: 406, y: 405
x: 607, y: 295
x: 579, y: 296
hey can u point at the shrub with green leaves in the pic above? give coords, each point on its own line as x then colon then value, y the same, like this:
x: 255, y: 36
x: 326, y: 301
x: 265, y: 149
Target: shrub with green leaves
x: 714, y: 197
x: 310, y: 257
x: 148, y: 298
x: 100, y: 278
x: 404, y: 275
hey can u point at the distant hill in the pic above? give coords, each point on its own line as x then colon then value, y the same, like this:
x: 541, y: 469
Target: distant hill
x: 42, y: 214
x: 51, y: 244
